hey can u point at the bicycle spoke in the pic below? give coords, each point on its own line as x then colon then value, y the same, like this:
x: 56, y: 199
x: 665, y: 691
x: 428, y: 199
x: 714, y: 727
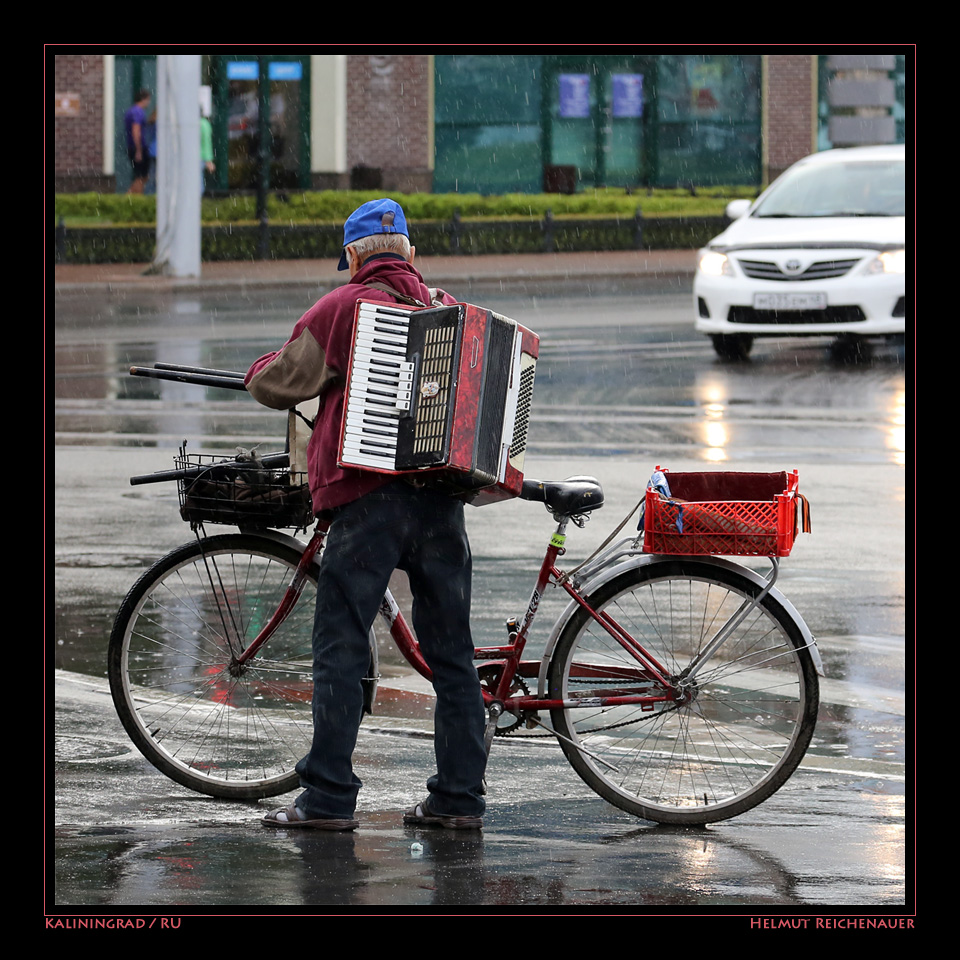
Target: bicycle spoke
x: 213, y: 725
x: 731, y: 732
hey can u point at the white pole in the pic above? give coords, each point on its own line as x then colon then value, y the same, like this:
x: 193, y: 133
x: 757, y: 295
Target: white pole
x: 178, y: 166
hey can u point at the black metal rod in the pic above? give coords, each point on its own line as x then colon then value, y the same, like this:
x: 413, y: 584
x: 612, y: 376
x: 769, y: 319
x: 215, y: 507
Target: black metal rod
x: 203, y: 380
x: 210, y: 371
x: 271, y: 461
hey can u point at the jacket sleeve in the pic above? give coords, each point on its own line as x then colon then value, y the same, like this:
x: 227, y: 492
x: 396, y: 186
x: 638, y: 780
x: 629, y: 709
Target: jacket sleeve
x: 437, y: 293
x: 297, y: 371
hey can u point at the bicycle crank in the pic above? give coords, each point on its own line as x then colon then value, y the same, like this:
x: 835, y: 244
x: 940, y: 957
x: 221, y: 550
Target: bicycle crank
x: 507, y: 722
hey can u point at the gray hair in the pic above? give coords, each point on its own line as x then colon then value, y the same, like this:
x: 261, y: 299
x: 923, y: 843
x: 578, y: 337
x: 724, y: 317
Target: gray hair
x: 381, y: 243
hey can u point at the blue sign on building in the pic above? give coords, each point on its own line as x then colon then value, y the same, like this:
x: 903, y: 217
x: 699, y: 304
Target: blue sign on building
x: 286, y: 70
x: 243, y: 69
x: 250, y: 70
x: 628, y: 94
x: 574, y: 95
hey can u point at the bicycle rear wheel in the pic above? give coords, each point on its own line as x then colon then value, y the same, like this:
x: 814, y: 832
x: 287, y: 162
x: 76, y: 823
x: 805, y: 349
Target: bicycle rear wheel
x: 732, y: 741
x: 235, y: 734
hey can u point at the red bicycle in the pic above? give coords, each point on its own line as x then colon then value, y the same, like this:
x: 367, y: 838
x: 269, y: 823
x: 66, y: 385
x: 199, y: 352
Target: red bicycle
x: 682, y: 689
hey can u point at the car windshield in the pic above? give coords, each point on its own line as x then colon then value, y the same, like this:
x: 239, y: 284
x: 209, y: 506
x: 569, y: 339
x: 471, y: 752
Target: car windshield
x: 851, y: 189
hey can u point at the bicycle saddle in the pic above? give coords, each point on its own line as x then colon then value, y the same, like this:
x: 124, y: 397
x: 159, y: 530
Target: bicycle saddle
x: 566, y: 498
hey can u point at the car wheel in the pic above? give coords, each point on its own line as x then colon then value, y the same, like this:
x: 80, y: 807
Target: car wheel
x: 732, y: 346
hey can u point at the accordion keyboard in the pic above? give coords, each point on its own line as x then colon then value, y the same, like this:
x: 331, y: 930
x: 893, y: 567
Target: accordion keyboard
x: 381, y: 383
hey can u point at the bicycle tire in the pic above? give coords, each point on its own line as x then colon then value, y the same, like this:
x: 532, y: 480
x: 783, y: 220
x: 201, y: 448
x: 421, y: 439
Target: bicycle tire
x: 237, y: 737
x: 740, y: 736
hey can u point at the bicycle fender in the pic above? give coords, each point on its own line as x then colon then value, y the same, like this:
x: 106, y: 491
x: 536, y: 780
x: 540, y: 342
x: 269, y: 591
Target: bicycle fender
x: 647, y: 559
x: 278, y: 537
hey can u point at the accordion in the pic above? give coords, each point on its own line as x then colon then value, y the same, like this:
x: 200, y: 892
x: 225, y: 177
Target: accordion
x: 443, y: 392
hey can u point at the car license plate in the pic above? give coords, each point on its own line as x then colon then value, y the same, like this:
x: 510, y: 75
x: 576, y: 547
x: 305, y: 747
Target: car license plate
x: 790, y: 301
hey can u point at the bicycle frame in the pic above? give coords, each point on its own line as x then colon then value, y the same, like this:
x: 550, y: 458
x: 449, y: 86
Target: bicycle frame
x: 649, y: 669
x: 508, y: 656
x: 288, y: 601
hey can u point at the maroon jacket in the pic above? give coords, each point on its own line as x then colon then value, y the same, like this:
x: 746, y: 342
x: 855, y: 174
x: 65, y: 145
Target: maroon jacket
x: 313, y: 363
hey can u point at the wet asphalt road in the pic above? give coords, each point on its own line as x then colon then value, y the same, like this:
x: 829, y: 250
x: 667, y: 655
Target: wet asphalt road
x: 623, y: 384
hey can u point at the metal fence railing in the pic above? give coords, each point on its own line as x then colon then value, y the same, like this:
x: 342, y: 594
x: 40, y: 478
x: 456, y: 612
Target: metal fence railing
x: 253, y: 241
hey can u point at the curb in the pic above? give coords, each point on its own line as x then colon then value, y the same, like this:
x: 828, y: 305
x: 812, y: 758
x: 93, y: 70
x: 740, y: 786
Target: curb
x: 524, y: 274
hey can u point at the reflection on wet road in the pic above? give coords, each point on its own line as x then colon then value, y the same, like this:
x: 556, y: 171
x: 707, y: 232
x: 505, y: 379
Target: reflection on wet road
x: 622, y: 385
x: 626, y: 384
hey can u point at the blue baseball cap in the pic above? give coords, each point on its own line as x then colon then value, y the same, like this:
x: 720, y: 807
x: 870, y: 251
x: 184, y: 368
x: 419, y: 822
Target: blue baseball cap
x: 374, y: 216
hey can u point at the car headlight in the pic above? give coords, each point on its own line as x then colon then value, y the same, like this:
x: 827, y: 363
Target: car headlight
x: 715, y: 264
x: 890, y: 261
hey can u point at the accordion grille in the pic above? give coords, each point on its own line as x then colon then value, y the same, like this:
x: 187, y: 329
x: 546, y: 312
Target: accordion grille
x: 436, y: 373
x: 524, y: 401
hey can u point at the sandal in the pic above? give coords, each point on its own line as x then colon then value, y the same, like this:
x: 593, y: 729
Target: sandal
x: 420, y: 815
x: 290, y: 817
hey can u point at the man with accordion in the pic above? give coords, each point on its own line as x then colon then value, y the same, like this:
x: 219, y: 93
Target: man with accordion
x: 378, y: 522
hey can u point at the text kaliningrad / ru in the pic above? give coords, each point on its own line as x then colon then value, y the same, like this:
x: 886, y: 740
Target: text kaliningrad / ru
x: 111, y: 923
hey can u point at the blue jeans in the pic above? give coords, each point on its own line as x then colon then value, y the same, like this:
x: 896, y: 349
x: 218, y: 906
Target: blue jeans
x: 422, y: 532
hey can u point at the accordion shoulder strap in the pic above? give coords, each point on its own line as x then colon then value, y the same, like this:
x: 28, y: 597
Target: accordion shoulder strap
x: 402, y: 297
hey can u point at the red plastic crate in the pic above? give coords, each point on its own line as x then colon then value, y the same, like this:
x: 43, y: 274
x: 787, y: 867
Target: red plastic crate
x: 725, y: 514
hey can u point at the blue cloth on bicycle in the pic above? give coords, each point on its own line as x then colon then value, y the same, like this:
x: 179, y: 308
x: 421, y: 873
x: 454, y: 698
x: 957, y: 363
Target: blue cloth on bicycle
x: 658, y: 482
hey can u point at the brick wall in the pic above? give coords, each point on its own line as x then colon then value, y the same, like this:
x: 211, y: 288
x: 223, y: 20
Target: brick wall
x: 789, y: 105
x: 78, y: 139
x: 388, y: 119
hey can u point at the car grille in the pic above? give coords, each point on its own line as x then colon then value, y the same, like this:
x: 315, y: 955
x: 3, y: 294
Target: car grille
x: 822, y: 270
x: 829, y: 315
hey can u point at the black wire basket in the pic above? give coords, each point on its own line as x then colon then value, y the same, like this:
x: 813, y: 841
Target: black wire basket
x: 242, y: 494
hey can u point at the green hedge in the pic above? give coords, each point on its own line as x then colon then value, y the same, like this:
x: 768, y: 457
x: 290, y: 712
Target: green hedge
x: 293, y: 241
x: 329, y: 206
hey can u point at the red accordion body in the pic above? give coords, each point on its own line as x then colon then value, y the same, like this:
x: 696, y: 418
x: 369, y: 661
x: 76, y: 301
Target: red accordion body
x: 442, y: 390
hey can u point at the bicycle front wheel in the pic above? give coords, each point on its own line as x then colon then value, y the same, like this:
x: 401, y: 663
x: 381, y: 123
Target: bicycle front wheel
x: 737, y: 732
x: 210, y: 726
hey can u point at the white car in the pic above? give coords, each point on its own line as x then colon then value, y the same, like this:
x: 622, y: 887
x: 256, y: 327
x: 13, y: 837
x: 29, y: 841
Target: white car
x: 821, y: 252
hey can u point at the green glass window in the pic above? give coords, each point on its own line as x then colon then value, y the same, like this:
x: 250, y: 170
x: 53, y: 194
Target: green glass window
x: 708, y: 111
x: 487, y: 129
x: 237, y: 95
x: 597, y: 119
x: 514, y: 123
